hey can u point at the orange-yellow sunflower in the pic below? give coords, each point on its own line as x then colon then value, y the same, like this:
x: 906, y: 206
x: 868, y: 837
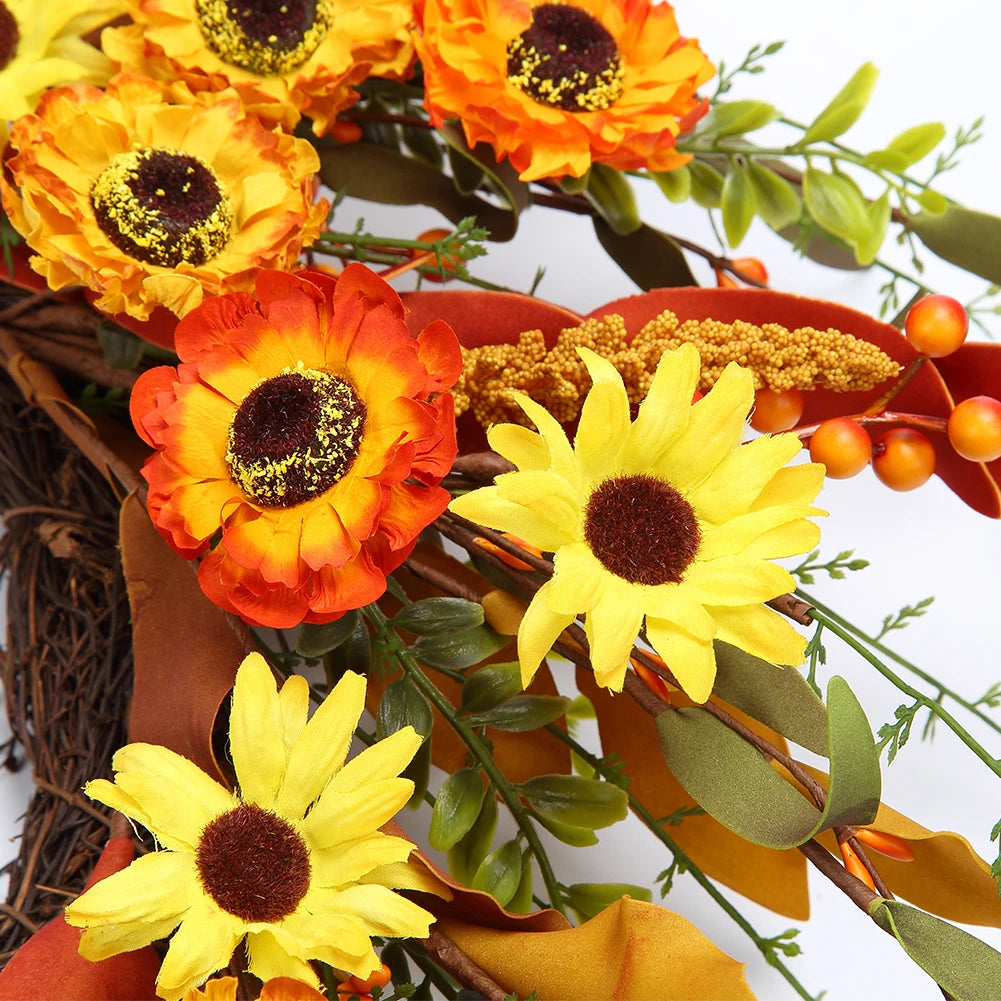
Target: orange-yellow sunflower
x: 41, y: 46
x: 307, y: 425
x: 666, y: 523
x: 558, y: 86
x: 299, y: 57
x: 148, y: 202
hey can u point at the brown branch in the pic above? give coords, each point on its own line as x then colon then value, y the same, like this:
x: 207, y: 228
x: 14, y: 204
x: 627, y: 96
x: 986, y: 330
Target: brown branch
x: 440, y: 580
x: 481, y: 466
x: 451, y: 958
x: 854, y: 889
x: 792, y: 607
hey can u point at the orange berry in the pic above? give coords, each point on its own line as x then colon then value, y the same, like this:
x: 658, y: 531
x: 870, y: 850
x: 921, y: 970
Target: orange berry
x: 903, y: 459
x: 936, y: 325
x: 843, y: 446
x: 776, y: 411
x: 751, y: 267
x: 974, y: 429
x: 723, y: 280
x: 346, y: 132
x: 379, y: 978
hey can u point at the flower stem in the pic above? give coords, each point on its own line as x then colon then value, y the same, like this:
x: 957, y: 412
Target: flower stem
x: 476, y: 747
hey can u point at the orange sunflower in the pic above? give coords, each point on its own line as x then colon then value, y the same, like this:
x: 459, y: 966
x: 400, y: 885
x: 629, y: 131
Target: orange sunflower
x: 307, y: 425
x: 556, y: 87
x: 299, y: 57
x: 148, y: 202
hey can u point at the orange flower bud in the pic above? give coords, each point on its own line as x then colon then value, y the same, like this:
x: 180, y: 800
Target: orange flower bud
x: 886, y: 844
x: 854, y: 865
x: 653, y: 681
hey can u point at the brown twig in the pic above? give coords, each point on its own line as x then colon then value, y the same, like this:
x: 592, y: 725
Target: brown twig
x: 450, y: 957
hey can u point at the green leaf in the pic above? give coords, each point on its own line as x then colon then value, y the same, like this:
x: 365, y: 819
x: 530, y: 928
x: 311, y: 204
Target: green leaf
x: 402, y: 705
x: 121, y: 348
x: 969, y: 239
x: 738, y: 204
x: 431, y: 616
x: 502, y: 176
x: 878, y: 213
x: 610, y: 192
x: 455, y: 651
x: 730, y: 118
x: 471, y: 849
x: 419, y: 772
x: 377, y: 174
x: 676, y: 184
x: 523, y: 713
x: 845, y: 109
x: 777, y: 201
x: 589, y: 899
x: 456, y: 808
x: 576, y: 837
x: 491, y: 685
x: 579, y: 802
x: 812, y: 242
x: 354, y: 653
x: 648, y: 256
x: 933, y: 202
x: 837, y: 204
x: 421, y: 142
x: 500, y: 872
x: 970, y: 970
x: 707, y: 184
x: 907, y: 148
x: 521, y: 902
x: 779, y: 697
x: 315, y: 641
x: 731, y: 780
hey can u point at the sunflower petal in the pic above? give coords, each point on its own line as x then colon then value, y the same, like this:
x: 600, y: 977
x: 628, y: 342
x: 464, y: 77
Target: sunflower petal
x: 761, y: 632
x: 604, y: 417
x: 540, y: 628
x: 691, y: 660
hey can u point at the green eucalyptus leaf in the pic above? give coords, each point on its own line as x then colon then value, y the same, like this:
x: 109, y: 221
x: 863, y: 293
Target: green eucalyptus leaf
x: 906, y: 149
x: 576, y: 837
x: 819, y: 246
x: 837, y: 204
x: 933, y: 202
x: 523, y: 713
x: 610, y: 192
x: 731, y: 780
x: 729, y: 118
x: 648, y: 256
x: 120, y: 347
x: 969, y: 239
x: 456, y: 808
x: 738, y: 204
x: 968, y: 969
x: 491, y: 685
x: 483, y: 161
x: 431, y: 616
x: 455, y: 651
x: 676, y: 184
x: 589, y: 899
x: 521, y: 902
x: 777, y: 201
x: 316, y: 640
x: 472, y: 848
x: 402, y: 705
x: 878, y: 213
x: 707, y: 184
x: 579, y: 802
x: 499, y: 874
x: 845, y: 109
x: 377, y: 174
x: 779, y: 697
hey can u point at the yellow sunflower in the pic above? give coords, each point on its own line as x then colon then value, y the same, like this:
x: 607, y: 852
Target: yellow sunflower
x: 149, y: 202
x: 41, y: 46
x: 557, y: 86
x: 667, y: 519
x: 301, y: 59
x: 293, y: 861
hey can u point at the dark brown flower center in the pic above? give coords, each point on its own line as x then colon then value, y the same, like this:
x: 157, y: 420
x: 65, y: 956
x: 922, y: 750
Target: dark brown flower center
x: 10, y: 35
x: 267, y: 37
x: 295, y: 436
x: 641, y: 529
x: 566, y: 58
x: 253, y: 864
x: 162, y: 207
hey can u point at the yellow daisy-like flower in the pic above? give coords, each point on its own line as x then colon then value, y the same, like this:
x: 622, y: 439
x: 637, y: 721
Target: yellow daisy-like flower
x: 293, y: 861
x: 149, y: 202
x: 667, y: 519
x: 41, y: 46
x: 296, y: 57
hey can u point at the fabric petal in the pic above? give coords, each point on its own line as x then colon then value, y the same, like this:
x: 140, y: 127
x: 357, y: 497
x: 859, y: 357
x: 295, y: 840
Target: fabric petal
x: 348, y: 861
x: 732, y: 580
x: 255, y: 723
x: 486, y: 507
x: 761, y: 632
x: 578, y: 579
x: 346, y: 816
x: 525, y: 448
x: 383, y: 760
x: 691, y: 661
x: 540, y: 628
x: 267, y: 959
x: 604, y: 418
x: 383, y: 911
x: 612, y: 627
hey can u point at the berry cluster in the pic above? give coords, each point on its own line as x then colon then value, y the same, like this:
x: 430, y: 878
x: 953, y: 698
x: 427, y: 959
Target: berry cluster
x: 903, y: 458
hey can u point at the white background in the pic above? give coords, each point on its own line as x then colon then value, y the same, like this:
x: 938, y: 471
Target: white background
x: 938, y: 63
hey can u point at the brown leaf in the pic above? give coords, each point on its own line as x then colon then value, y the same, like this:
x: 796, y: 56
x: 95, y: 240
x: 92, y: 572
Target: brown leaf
x: 186, y: 650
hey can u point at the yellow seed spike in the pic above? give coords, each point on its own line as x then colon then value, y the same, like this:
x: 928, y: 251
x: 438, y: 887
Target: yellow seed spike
x: 886, y: 844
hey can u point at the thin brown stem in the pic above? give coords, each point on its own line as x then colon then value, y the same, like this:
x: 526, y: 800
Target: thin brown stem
x: 450, y: 957
x: 921, y: 421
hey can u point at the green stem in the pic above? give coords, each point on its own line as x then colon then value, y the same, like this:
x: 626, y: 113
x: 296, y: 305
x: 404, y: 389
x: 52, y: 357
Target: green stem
x: 760, y: 942
x: 946, y: 717
x: 476, y: 747
x: 913, y: 668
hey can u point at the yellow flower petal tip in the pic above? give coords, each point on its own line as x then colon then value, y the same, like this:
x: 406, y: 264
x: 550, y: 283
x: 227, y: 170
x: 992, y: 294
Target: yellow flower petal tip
x: 313, y: 879
x: 674, y: 523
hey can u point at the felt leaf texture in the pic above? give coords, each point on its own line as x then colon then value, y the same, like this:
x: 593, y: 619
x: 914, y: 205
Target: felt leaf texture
x: 964, y: 966
x: 631, y: 951
x: 734, y: 782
